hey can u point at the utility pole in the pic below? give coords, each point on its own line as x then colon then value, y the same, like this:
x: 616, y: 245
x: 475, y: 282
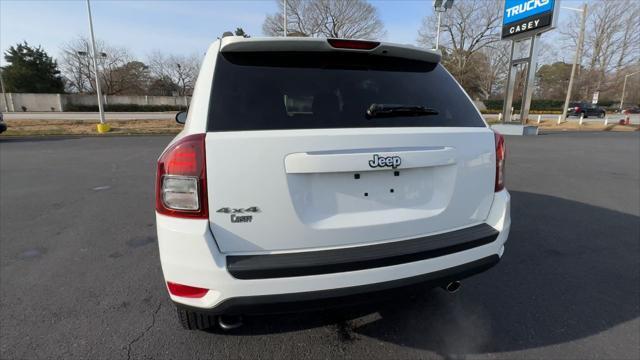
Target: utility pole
x: 624, y: 88
x: 102, y: 127
x: 284, y: 13
x: 577, y: 58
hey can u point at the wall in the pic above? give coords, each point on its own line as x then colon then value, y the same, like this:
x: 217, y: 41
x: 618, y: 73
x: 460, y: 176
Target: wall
x: 57, y: 102
x: 31, y: 102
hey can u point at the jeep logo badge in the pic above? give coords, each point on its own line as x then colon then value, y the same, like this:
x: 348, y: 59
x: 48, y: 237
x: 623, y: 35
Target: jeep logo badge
x: 382, y: 161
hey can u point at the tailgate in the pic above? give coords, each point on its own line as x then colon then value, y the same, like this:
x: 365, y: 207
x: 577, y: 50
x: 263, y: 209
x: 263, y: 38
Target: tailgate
x: 293, y: 190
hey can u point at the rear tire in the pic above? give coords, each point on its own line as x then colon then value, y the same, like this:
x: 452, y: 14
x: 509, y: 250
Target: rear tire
x: 195, y: 321
x: 584, y: 115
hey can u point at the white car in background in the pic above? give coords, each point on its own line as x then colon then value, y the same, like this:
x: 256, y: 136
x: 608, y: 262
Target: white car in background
x: 313, y: 171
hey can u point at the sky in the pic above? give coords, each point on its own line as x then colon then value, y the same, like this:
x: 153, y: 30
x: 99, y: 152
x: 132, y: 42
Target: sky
x: 178, y: 27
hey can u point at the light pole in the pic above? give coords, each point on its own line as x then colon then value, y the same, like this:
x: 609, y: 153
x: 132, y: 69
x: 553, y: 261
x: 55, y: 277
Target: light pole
x: 577, y: 57
x: 440, y: 6
x: 624, y: 87
x: 284, y: 13
x: 102, y: 127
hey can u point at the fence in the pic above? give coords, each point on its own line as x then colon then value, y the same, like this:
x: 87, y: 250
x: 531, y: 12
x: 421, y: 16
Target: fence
x: 11, y: 102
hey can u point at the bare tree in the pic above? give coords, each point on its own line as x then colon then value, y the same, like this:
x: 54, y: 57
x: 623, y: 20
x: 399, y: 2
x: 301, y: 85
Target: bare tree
x: 467, y: 28
x: 352, y: 19
x: 611, y: 44
x: 603, y: 37
x: 497, y: 61
x: 175, y: 72
x: 629, y: 50
x: 77, y: 67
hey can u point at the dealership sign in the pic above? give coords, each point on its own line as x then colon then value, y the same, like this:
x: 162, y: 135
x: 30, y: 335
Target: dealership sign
x: 528, y: 17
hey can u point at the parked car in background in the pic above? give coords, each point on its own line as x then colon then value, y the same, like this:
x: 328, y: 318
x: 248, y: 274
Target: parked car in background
x: 3, y: 125
x: 585, y: 109
x: 318, y: 170
x: 631, y: 110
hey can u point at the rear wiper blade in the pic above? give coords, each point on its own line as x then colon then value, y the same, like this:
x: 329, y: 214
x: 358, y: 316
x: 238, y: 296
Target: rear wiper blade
x: 397, y: 110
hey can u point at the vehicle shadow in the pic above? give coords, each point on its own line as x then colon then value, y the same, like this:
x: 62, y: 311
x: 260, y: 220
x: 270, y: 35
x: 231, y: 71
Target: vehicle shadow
x: 570, y: 271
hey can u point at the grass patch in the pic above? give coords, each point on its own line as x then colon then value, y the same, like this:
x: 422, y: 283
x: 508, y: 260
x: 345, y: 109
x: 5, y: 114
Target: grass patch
x: 78, y: 127
x: 552, y: 125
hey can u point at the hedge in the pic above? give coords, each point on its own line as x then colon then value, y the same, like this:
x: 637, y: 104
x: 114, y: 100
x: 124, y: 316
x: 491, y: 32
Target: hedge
x: 124, y: 108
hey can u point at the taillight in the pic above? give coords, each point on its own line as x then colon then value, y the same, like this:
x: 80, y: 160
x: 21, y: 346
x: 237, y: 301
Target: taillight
x: 353, y: 44
x: 186, y: 290
x: 501, y: 154
x: 181, y: 179
x: 576, y: 109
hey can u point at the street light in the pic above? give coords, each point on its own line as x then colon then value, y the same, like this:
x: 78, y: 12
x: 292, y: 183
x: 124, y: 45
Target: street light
x: 102, y: 127
x: 624, y: 87
x: 576, y: 59
x: 440, y: 6
x: 85, y: 54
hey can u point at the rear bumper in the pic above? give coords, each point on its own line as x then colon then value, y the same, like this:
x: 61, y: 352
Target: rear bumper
x: 359, y: 257
x: 190, y: 256
x: 317, y: 300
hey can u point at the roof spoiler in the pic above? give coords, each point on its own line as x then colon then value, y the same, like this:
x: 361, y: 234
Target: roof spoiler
x: 302, y: 44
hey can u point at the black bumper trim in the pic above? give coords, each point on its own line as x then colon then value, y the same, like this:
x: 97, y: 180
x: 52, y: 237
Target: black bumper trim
x: 360, y: 257
x: 323, y: 299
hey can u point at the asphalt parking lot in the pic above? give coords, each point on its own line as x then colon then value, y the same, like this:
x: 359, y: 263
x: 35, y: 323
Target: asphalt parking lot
x: 80, y: 276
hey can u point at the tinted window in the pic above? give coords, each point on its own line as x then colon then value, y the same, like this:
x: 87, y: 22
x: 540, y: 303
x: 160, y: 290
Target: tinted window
x: 269, y: 91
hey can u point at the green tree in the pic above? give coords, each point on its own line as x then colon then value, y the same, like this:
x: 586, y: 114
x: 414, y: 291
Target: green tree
x: 31, y: 70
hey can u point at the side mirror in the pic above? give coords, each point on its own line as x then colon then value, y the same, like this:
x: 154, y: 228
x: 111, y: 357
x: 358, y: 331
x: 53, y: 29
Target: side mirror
x: 181, y: 117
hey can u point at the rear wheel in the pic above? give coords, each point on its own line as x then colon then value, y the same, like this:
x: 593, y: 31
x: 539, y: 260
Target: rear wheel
x: 195, y: 321
x: 584, y: 115
x: 601, y: 115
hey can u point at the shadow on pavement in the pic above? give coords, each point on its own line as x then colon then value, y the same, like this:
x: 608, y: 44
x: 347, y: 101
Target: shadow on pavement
x: 570, y: 271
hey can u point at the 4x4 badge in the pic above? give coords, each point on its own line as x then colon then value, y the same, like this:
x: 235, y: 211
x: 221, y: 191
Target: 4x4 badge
x: 227, y: 210
x: 235, y: 217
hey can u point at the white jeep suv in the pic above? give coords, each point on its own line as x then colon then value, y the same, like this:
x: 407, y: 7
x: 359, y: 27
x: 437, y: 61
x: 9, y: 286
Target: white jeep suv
x: 313, y: 171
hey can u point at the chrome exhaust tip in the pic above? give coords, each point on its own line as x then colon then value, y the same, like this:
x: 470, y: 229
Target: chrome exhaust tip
x: 229, y: 322
x: 453, y: 287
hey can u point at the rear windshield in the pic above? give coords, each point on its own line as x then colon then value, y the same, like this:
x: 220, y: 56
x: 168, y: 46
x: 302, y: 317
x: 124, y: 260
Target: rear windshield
x: 276, y: 91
